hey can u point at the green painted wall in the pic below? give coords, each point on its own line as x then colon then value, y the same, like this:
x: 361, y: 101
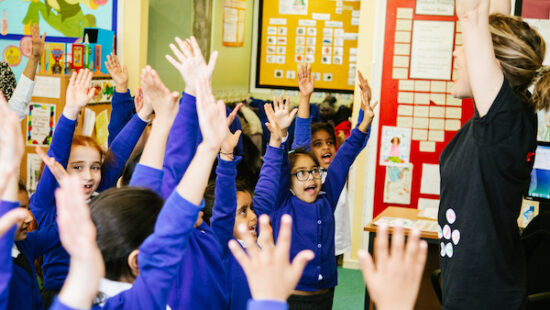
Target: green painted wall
x: 232, y: 75
x: 168, y: 19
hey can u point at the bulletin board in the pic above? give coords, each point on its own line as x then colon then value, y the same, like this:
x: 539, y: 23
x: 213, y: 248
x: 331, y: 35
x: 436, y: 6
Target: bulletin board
x: 418, y: 116
x: 323, y: 33
x: 63, y: 23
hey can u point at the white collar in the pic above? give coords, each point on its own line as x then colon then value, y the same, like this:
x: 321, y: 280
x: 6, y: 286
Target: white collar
x: 91, y: 197
x: 109, y: 288
x: 14, y: 251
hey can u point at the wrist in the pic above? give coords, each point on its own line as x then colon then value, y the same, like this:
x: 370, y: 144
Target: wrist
x: 208, y: 150
x: 225, y: 156
x: 189, y: 90
x: 364, y: 125
x: 121, y: 88
x: 71, y: 112
x: 144, y: 115
x: 275, y: 142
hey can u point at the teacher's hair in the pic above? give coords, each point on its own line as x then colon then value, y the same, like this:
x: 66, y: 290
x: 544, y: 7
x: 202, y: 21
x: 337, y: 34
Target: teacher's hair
x: 520, y: 50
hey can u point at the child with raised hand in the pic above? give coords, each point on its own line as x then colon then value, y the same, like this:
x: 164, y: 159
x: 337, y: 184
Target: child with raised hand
x: 11, y: 150
x: 233, y: 203
x: 78, y: 236
x: 141, y: 267
x: 23, y: 291
x: 81, y: 156
x: 311, y: 205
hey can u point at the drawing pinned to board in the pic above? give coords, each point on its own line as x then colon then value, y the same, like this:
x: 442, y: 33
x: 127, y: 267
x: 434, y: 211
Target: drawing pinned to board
x: 395, y: 147
x: 34, y: 164
x: 397, y: 186
x: 40, y: 124
x: 544, y: 126
x: 293, y: 7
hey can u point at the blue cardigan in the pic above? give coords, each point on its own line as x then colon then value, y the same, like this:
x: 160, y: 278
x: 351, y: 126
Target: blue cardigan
x: 24, y: 292
x: 122, y: 110
x: 313, y: 223
x: 42, y: 202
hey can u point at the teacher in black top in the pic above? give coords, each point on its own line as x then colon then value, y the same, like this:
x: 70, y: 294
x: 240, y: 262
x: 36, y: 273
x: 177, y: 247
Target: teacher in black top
x: 486, y: 168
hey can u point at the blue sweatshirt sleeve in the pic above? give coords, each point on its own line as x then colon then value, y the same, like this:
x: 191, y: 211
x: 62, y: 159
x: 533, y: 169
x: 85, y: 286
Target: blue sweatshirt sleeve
x: 122, y: 110
x: 42, y: 202
x: 360, y: 118
x: 121, y: 149
x: 266, y: 305
x: 302, y: 133
x: 266, y: 193
x: 160, y: 257
x: 339, y: 167
x: 225, y: 202
x: 181, y: 145
x: 43, y: 240
x: 6, y: 261
x: 145, y: 176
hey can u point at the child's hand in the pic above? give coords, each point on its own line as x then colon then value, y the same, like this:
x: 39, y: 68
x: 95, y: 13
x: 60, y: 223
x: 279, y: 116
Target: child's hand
x: 56, y: 168
x: 78, y: 236
x: 232, y: 139
x: 211, y: 114
x: 157, y: 95
x: 79, y: 93
x: 366, y: 93
x: 262, y: 266
x: 12, y: 218
x: 283, y: 116
x: 276, y: 136
x: 395, y: 280
x: 369, y: 116
x: 37, y: 42
x: 305, y: 80
x: 190, y: 62
x: 138, y: 99
x: 118, y: 72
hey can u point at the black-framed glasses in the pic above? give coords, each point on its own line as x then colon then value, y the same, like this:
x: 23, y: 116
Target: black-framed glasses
x: 303, y: 175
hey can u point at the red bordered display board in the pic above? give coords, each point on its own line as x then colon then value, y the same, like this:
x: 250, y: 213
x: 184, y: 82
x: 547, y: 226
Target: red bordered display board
x: 416, y: 102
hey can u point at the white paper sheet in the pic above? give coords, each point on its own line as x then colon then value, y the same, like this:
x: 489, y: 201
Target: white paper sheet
x: 47, y: 87
x: 432, y: 50
x: 88, y: 122
x: 430, y: 182
x: 435, y: 7
x: 425, y: 203
x: 293, y: 7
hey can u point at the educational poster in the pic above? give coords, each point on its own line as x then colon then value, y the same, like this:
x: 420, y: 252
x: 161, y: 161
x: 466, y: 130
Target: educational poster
x: 234, y: 23
x: 417, y: 82
x: 322, y: 33
x: 397, y: 187
x: 40, y: 124
x: 33, y: 172
x: 58, y: 18
x: 104, y: 90
x: 395, y: 147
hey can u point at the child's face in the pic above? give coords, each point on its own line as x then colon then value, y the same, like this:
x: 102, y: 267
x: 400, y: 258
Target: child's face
x: 245, y: 215
x: 85, y: 162
x: 308, y: 189
x: 323, y: 147
x: 23, y: 229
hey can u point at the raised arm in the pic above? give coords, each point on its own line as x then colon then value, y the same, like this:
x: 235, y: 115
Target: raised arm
x: 480, y: 64
x: 302, y: 132
x: 501, y: 6
x: 165, y: 104
x: 225, y: 193
x: 21, y: 97
x: 122, y: 103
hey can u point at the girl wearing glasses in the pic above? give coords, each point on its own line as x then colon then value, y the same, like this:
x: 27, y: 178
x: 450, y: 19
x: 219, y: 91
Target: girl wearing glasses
x: 311, y: 203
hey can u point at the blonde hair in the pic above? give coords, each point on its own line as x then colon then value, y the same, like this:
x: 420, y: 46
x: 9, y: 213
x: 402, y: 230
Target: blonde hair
x: 520, y: 50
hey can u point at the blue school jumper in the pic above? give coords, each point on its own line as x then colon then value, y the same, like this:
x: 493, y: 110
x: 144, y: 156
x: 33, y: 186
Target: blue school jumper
x: 122, y: 110
x: 313, y: 223
x: 160, y: 256
x: 223, y: 215
x: 6, y: 261
x: 205, y: 254
x: 24, y: 292
x: 252, y: 305
x: 42, y: 203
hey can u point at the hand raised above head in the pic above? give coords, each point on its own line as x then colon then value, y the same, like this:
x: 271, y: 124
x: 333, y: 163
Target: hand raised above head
x: 79, y: 93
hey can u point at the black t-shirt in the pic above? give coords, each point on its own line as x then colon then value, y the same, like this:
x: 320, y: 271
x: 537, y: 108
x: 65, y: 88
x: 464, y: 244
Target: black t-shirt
x: 485, y: 170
